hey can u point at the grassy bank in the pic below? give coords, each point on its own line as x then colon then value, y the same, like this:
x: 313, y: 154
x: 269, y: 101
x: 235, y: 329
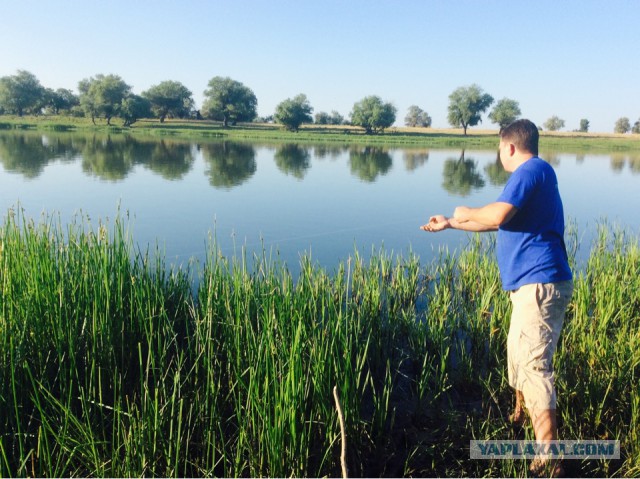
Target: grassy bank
x: 110, y: 366
x: 397, y: 136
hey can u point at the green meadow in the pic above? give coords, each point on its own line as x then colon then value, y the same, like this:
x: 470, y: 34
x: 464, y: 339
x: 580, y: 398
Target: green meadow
x: 115, y: 364
x: 395, y: 136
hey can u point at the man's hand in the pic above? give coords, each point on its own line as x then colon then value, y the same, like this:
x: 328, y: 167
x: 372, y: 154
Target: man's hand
x: 436, y: 223
x: 462, y: 214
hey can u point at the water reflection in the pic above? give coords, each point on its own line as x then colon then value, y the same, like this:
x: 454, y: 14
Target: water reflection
x: 460, y: 176
x: 170, y: 160
x: 496, y: 173
x: 414, y: 159
x: 293, y: 160
x: 621, y: 160
x: 228, y: 164
x: 332, y: 152
x: 25, y: 154
x: 110, y: 159
x: 368, y: 162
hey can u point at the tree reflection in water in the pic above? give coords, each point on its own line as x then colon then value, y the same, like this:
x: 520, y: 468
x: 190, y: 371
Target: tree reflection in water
x: 461, y: 176
x: 293, y: 160
x: 228, y: 164
x: 368, y: 162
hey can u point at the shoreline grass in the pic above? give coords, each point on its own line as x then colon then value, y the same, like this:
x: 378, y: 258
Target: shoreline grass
x: 111, y: 366
x: 394, y: 136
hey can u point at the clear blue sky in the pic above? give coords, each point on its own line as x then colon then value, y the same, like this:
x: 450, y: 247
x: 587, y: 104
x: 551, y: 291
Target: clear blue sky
x: 571, y: 58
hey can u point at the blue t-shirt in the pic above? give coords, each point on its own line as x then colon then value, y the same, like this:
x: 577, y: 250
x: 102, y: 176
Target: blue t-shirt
x: 530, y: 247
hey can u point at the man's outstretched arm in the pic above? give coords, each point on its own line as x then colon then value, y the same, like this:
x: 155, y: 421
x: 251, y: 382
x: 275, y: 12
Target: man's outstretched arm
x: 478, y: 220
x: 492, y: 215
x: 440, y: 223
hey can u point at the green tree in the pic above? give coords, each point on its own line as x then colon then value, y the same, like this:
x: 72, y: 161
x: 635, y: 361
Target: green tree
x: 169, y: 98
x: 21, y: 93
x: 103, y: 96
x: 321, y: 118
x: 133, y: 108
x: 417, y: 117
x: 229, y: 101
x: 622, y: 125
x: 466, y: 105
x: 336, y: 118
x: 505, y: 112
x: 584, y: 125
x: 293, y: 112
x: 372, y: 114
x: 61, y: 100
x: 636, y: 127
x: 554, y: 123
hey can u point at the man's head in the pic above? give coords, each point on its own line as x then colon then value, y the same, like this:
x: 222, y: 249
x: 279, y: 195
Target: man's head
x: 523, y: 134
x: 518, y: 143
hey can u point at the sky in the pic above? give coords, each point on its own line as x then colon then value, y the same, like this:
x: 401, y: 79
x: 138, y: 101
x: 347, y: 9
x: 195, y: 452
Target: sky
x: 573, y: 59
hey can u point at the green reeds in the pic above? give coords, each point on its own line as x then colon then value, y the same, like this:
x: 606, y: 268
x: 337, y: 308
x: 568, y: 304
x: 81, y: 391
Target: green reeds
x: 110, y: 366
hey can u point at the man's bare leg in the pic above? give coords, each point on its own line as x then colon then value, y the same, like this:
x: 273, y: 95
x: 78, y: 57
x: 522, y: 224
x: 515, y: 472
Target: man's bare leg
x: 518, y: 416
x: 545, y: 428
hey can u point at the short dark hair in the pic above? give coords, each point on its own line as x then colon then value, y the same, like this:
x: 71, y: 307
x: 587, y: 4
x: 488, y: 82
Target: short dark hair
x: 523, y: 134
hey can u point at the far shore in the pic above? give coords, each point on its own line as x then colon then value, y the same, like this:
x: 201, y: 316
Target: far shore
x: 312, y: 133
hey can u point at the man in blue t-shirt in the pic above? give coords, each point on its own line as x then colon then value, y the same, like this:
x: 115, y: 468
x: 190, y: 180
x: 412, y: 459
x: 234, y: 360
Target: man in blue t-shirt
x: 534, y: 268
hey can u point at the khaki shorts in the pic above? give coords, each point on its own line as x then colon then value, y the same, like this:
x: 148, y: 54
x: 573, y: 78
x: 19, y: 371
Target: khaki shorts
x: 536, y: 322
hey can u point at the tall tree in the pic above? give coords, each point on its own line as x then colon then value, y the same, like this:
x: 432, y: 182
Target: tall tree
x: 636, y: 127
x: 584, y: 125
x: 21, y: 93
x: 133, y: 108
x: 103, y: 95
x: 622, y: 125
x: 417, y: 117
x: 505, y: 112
x: 372, y: 114
x: 554, y: 123
x: 466, y: 105
x: 169, y: 98
x: 293, y: 112
x: 229, y: 100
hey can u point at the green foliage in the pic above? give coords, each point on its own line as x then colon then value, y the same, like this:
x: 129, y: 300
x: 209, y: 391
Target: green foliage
x: 293, y: 112
x: 622, y: 125
x: 21, y: 93
x: 103, y: 96
x: 229, y: 101
x: 133, y: 108
x: 372, y: 114
x: 60, y: 100
x: 466, y: 105
x: 170, y: 98
x: 505, y: 112
x: 554, y: 123
x: 584, y: 125
x: 636, y: 127
x: 324, y: 118
x: 417, y: 117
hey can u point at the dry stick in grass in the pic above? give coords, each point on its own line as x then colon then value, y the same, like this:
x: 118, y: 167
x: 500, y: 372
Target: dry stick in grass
x: 343, y: 434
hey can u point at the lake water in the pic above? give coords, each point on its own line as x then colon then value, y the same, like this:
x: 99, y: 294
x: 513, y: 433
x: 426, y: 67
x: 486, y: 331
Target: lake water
x: 290, y: 199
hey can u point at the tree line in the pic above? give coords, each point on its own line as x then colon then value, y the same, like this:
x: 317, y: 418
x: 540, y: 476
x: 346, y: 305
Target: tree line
x: 230, y: 102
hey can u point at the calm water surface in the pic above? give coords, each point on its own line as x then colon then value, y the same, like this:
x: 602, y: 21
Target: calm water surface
x: 324, y: 201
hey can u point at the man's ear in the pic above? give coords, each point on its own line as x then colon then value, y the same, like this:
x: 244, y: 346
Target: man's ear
x: 512, y: 149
